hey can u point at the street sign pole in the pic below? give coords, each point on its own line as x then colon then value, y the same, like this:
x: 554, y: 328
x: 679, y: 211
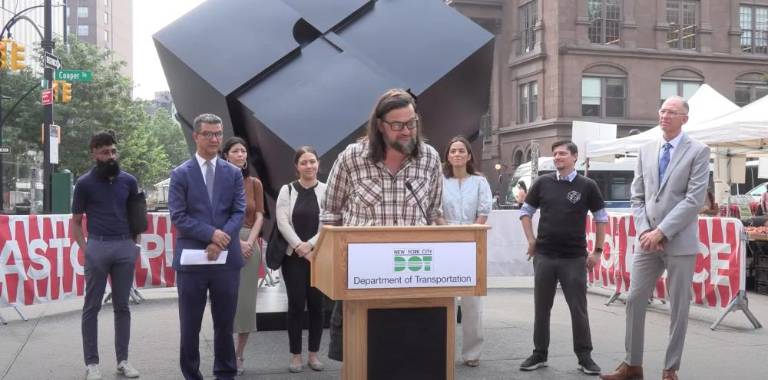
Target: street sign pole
x: 47, y: 111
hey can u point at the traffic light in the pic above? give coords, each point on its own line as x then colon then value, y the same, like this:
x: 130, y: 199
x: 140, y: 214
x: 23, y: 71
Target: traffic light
x: 66, y: 92
x: 55, y: 89
x: 3, y: 54
x: 17, y: 56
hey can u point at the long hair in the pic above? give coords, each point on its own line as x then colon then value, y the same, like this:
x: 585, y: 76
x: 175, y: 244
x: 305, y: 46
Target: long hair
x: 448, y: 168
x: 232, y: 141
x: 391, y: 100
x: 300, y: 152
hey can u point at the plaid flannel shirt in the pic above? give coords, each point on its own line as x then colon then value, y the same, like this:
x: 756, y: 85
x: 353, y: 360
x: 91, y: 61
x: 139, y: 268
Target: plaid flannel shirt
x: 364, y: 193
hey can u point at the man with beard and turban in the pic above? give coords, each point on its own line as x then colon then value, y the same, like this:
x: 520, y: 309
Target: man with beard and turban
x: 102, y: 194
x: 388, y: 178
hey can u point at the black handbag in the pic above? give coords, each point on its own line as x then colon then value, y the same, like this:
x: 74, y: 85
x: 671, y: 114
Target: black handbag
x: 276, y: 245
x: 136, y: 211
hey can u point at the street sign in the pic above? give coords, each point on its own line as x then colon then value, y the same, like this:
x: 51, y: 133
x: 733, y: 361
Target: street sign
x: 46, y: 97
x: 5, y: 149
x: 74, y: 75
x: 51, y: 61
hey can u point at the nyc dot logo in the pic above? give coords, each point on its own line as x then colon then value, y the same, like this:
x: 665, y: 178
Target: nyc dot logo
x: 414, y: 260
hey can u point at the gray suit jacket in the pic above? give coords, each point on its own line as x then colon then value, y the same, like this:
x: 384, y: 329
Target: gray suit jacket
x: 672, y: 205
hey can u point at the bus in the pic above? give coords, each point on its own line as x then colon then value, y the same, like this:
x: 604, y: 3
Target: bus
x: 613, y: 178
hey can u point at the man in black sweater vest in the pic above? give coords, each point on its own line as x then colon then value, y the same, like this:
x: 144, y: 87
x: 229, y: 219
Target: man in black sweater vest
x: 560, y: 251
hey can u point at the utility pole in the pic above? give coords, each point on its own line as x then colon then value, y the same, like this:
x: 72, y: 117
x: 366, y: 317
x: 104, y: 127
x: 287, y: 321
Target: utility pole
x: 47, y: 110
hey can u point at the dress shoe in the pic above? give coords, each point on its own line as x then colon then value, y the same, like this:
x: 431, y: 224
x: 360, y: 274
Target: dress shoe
x: 669, y: 374
x: 625, y: 372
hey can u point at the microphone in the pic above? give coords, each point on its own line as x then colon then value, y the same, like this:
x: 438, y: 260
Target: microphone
x: 418, y: 202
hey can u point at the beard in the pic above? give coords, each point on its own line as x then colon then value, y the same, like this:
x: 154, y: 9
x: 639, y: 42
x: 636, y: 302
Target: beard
x: 107, y: 169
x: 405, y: 148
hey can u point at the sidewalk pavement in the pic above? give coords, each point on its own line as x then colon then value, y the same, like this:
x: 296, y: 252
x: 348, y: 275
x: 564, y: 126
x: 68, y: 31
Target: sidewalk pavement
x: 48, y: 346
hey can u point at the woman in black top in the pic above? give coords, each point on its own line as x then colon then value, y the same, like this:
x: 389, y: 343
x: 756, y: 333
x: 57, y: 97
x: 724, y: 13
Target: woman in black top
x: 298, y: 219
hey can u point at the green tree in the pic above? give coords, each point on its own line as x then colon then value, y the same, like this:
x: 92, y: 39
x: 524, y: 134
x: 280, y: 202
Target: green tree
x: 142, y: 153
x: 168, y: 133
x: 104, y: 103
x: 21, y: 129
x: 146, y: 142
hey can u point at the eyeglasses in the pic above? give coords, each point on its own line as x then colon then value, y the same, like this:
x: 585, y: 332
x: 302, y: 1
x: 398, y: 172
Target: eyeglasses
x: 671, y: 113
x: 399, y: 125
x: 209, y: 135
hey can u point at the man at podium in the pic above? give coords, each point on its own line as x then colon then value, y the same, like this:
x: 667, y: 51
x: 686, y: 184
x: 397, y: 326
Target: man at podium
x: 391, y: 177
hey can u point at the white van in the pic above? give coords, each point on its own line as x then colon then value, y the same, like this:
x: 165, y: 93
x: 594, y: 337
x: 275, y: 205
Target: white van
x: 613, y: 178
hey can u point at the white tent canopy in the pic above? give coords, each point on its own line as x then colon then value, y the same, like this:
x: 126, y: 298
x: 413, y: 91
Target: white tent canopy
x: 705, y: 105
x: 744, y: 131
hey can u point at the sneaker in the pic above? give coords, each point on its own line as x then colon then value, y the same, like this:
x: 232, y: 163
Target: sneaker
x: 588, y: 366
x: 127, y: 370
x: 533, y: 362
x: 92, y: 372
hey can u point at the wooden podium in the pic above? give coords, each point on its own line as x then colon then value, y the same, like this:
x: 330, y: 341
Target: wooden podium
x: 392, y: 258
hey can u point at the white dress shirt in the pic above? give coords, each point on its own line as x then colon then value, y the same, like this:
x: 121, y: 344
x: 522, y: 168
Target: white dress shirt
x: 201, y: 162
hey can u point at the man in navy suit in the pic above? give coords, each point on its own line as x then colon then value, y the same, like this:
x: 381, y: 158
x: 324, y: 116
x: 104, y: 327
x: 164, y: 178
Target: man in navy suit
x: 207, y: 203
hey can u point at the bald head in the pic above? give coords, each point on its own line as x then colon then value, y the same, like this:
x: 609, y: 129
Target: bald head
x: 672, y: 115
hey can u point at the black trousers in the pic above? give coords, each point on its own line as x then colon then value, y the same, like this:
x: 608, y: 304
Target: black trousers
x: 296, y: 274
x: 572, y: 275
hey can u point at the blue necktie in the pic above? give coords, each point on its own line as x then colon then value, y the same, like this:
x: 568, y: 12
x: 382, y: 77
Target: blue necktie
x: 664, y: 161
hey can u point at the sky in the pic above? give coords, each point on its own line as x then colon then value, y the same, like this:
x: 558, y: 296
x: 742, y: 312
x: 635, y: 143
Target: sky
x: 149, y: 16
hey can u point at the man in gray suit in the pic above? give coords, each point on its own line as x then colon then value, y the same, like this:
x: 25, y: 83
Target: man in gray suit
x: 667, y: 192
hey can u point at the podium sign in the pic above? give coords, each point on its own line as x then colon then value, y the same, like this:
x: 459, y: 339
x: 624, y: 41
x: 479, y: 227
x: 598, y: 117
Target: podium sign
x: 411, y: 265
x: 398, y: 285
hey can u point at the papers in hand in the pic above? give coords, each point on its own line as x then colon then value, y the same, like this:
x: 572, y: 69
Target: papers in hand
x: 200, y: 257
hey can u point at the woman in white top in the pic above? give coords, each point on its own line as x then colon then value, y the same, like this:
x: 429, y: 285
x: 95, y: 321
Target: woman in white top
x: 298, y: 219
x: 466, y: 200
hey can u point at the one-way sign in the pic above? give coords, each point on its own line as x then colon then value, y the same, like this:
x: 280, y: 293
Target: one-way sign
x: 51, y: 61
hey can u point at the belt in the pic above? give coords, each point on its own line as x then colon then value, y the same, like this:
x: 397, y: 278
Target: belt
x: 109, y: 237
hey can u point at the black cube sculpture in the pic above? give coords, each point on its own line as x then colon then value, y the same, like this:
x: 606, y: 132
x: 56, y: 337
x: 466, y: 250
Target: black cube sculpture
x: 287, y: 73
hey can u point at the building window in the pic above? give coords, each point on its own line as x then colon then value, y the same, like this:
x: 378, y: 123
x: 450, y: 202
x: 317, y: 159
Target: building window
x: 82, y: 12
x: 82, y: 30
x: 682, y: 88
x: 603, y: 97
x: 527, y: 16
x: 485, y: 127
x: 604, y: 21
x: 106, y: 18
x: 750, y: 87
x: 681, y: 17
x: 106, y: 36
x: 749, y: 92
x: 528, y: 102
x: 754, y: 29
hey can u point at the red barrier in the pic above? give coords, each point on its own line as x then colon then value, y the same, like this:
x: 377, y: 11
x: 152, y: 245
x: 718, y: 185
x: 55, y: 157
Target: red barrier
x: 41, y: 262
x: 719, y: 274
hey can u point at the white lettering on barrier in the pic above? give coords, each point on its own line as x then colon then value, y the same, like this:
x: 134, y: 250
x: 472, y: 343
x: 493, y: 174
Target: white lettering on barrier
x: 33, y: 248
x: 11, y: 249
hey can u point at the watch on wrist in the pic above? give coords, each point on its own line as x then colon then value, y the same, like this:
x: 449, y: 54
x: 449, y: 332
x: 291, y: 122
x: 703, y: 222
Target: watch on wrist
x: 598, y: 250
